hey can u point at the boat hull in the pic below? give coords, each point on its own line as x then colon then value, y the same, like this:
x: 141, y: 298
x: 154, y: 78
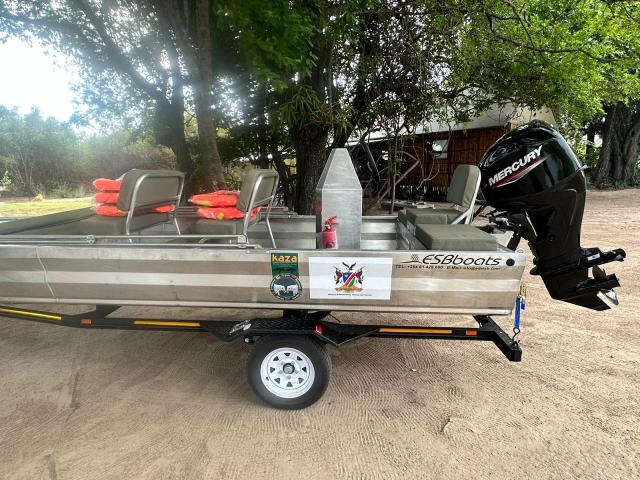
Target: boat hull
x: 393, y: 281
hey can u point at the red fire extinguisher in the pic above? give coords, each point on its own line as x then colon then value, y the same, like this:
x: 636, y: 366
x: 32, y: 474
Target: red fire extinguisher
x: 329, y: 238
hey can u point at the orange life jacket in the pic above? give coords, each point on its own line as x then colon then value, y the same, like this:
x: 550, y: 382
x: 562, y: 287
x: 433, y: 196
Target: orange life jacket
x: 107, y: 185
x: 220, y: 198
x: 224, y: 213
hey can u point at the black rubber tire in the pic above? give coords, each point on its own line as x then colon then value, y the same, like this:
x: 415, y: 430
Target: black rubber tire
x: 312, y: 348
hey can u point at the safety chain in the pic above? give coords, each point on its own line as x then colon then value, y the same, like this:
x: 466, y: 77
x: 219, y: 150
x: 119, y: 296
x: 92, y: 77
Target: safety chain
x: 520, y: 307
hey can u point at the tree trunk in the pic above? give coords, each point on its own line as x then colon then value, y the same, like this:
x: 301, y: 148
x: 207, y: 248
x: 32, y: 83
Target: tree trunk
x: 310, y: 137
x: 359, y: 106
x: 178, y: 143
x: 263, y: 140
x: 286, y: 185
x: 363, y: 95
x: 169, y: 131
x: 203, y: 98
x: 210, y: 161
x: 310, y: 142
x: 192, y: 23
x: 630, y: 146
x: 618, y: 160
x: 175, y: 121
x: 603, y: 168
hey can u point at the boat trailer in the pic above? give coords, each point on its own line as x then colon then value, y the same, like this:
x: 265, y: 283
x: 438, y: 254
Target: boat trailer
x: 425, y: 260
x: 302, y: 333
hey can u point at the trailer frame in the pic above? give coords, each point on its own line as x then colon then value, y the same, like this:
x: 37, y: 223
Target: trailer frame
x: 300, y: 328
x: 296, y: 322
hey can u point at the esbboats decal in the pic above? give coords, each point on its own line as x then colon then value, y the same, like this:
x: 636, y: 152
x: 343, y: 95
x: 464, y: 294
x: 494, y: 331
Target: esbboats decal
x: 456, y: 260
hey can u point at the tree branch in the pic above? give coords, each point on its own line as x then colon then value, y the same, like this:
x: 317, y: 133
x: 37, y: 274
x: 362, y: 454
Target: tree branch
x: 115, y: 54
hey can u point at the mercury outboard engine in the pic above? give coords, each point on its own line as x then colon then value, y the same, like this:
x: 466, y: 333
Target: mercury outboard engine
x: 537, y: 186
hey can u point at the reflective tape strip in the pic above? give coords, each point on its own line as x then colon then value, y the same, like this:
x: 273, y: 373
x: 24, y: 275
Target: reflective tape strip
x: 166, y: 324
x: 416, y: 330
x: 31, y: 314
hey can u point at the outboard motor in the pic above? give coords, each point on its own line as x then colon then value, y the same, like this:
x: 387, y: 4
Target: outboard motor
x: 537, y: 185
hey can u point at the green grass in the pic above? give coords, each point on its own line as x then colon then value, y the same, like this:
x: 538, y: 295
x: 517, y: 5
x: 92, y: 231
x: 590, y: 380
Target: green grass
x: 31, y: 209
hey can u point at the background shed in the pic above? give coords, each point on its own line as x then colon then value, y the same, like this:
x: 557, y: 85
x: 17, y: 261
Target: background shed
x: 432, y: 153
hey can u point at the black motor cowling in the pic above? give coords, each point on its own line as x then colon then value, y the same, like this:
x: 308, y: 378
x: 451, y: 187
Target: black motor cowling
x: 532, y: 175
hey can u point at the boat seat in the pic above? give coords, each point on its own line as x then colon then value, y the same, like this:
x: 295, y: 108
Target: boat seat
x: 217, y: 227
x: 258, y: 190
x: 418, y: 216
x: 141, y: 191
x: 464, y: 238
x: 100, y: 225
x: 462, y: 194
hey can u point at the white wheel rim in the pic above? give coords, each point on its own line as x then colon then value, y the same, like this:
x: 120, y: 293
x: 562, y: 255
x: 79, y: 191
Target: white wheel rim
x: 287, y: 373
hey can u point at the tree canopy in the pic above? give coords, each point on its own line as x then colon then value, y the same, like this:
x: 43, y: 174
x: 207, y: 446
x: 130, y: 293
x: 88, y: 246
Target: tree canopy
x: 270, y: 81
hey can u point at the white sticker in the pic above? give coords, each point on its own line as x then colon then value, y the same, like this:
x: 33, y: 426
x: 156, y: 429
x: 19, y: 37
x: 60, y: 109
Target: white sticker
x: 350, y: 277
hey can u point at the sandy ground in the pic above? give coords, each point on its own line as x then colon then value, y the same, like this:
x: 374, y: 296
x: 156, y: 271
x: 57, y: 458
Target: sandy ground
x: 127, y: 405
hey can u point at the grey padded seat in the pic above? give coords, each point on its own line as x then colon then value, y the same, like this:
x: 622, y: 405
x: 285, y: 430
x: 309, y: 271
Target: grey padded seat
x: 100, y: 225
x: 444, y: 216
x: 205, y: 226
x: 164, y: 186
x: 263, y: 197
x: 464, y: 238
x: 462, y: 192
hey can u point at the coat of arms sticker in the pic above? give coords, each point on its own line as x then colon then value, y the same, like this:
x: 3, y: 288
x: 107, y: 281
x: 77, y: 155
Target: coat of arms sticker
x: 350, y: 277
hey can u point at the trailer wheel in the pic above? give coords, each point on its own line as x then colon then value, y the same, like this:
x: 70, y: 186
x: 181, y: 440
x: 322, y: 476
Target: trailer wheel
x: 289, y: 372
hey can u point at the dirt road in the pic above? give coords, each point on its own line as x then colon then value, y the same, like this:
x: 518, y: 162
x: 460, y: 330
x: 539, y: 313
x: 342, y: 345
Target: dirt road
x: 149, y: 405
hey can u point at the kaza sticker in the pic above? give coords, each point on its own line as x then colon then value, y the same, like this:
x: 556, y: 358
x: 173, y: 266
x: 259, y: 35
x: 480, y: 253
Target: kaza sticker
x: 285, y: 284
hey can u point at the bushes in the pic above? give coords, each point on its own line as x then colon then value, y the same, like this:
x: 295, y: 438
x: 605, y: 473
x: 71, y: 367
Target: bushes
x: 65, y: 190
x: 5, y: 182
x: 36, y: 152
x: 112, y: 155
x: 43, y: 155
